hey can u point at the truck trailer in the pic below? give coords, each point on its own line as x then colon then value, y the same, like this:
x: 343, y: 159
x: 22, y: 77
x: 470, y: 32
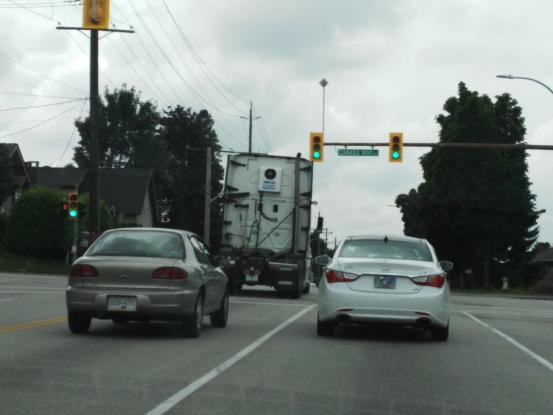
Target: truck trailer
x: 266, y: 222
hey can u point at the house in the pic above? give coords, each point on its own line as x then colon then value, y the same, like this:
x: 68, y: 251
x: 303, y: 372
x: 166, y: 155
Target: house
x: 129, y: 193
x: 21, y: 179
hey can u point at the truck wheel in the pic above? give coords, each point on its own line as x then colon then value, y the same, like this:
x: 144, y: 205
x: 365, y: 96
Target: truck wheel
x: 296, y: 295
x: 307, y: 288
x: 282, y: 294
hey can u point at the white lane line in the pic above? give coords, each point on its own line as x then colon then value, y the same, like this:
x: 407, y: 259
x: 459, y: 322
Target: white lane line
x: 526, y: 350
x: 34, y: 292
x: 506, y: 314
x: 31, y: 288
x: 260, y: 303
x: 197, y: 384
x: 6, y: 299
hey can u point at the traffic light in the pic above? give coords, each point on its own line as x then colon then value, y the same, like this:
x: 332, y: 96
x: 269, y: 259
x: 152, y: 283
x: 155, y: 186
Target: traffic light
x: 95, y: 14
x: 73, y: 203
x: 316, y: 149
x: 396, y: 147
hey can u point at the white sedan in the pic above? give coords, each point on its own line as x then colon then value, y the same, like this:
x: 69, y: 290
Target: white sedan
x: 384, y: 279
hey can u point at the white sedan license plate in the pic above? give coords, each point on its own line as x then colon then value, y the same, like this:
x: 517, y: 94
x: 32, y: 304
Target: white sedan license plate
x: 251, y: 278
x: 385, y: 282
x: 121, y: 303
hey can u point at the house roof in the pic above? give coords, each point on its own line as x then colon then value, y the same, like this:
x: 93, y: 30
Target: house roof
x: 15, y: 152
x: 60, y: 177
x: 11, y: 148
x: 124, y: 189
x: 544, y: 256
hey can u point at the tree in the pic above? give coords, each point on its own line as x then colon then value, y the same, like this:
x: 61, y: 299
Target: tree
x: 187, y: 135
x: 6, y: 174
x: 129, y: 133
x: 318, y: 247
x: 475, y: 204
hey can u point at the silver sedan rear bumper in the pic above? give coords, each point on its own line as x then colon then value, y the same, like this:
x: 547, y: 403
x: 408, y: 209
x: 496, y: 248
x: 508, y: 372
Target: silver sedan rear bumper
x: 162, y: 305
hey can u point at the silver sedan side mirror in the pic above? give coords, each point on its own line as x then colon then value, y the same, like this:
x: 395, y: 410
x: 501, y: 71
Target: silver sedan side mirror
x: 323, y: 260
x: 446, y: 265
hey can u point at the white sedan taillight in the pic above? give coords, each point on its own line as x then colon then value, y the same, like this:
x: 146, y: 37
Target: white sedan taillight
x: 430, y: 281
x: 338, y: 276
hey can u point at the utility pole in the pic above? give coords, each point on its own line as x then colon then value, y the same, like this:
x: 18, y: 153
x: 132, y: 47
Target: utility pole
x: 95, y: 19
x: 94, y: 188
x: 250, y: 138
x: 207, y: 217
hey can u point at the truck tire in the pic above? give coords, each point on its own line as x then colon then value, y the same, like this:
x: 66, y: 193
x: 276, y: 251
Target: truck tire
x: 296, y: 295
x: 307, y: 288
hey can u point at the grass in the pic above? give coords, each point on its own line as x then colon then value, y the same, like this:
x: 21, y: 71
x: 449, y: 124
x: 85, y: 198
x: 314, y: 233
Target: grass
x: 18, y: 263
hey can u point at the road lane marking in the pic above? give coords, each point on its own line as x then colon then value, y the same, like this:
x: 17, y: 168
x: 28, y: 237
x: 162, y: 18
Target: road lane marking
x: 34, y: 292
x: 32, y: 324
x: 526, y: 350
x: 506, y: 314
x: 197, y: 384
x: 6, y: 299
x: 31, y: 288
x: 260, y: 303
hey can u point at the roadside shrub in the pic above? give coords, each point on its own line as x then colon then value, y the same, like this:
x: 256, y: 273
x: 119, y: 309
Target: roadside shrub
x: 36, y: 226
x: 3, y: 227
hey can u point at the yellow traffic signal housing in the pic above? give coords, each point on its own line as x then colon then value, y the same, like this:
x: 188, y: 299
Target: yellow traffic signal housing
x: 316, y: 147
x: 73, y: 204
x: 95, y: 14
x: 396, y: 148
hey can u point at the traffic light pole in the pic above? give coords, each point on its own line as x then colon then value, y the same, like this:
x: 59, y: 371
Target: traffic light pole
x: 450, y: 145
x: 207, y: 217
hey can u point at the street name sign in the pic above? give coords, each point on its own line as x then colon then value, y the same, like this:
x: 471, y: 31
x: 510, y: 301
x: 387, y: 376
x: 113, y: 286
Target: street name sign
x: 357, y: 152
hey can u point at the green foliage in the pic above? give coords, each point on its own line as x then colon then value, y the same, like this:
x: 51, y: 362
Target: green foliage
x: 475, y: 204
x: 185, y: 132
x: 36, y: 226
x: 6, y: 174
x: 10, y: 262
x: 3, y: 227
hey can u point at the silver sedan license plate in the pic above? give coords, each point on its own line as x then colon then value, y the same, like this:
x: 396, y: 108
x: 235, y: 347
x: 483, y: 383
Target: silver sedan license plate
x: 121, y: 303
x: 385, y: 282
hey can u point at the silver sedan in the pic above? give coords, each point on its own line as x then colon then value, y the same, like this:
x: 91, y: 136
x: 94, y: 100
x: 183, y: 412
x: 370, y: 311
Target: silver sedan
x: 147, y: 274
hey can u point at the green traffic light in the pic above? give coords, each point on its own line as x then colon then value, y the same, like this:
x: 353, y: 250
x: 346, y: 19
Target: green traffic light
x: 395, y: 155
x: 316, y: 155
x: 73, y: 213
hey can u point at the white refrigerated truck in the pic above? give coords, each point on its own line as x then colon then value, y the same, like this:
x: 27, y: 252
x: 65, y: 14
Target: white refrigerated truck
x: 266, y: 222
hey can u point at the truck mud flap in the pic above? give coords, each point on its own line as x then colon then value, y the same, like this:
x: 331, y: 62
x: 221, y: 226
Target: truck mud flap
x: 285, y: 277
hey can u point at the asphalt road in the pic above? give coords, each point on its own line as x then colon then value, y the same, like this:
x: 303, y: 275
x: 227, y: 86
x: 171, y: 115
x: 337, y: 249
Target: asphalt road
x: 269, y: 360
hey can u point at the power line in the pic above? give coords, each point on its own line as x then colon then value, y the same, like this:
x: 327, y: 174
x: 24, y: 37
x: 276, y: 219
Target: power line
x: 134, y: 70
x: 32, y: 11
x: 38, y: 125
x: 70, y: 138
x: 38, y: 96
x: 46, y: 76
x: 199, y: 61
x: 82, y: 50
x: 39, y: 106
x: 189, y: 44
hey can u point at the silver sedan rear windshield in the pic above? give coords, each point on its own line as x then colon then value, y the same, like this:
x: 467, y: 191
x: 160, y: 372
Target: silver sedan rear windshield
x: 140, y: 244
x: 370, y: 248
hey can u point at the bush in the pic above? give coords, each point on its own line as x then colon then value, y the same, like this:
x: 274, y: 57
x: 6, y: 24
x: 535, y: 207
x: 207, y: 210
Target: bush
x: 3, y: 227
x: 36, y: 226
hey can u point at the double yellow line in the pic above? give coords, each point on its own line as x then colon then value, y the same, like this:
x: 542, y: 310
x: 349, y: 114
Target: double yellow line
x: 32, y: 324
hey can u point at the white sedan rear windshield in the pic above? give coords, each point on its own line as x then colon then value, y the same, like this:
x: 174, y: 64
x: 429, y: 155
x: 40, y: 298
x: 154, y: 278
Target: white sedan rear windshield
x: 139, y: 243
x: 370, y: 248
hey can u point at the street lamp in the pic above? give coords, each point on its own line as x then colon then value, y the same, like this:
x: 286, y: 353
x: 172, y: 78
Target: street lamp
x: 323, y: 82
x: 528, y: 79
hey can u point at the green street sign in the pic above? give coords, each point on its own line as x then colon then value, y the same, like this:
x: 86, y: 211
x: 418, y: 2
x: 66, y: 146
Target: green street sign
x: 357, y: 152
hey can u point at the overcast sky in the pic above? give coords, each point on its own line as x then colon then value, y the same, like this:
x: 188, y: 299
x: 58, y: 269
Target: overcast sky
x: 391, y: 65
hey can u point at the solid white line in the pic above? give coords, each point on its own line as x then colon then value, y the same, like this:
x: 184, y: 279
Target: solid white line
x: 6, y: 299
x: 34, y: 292
x: 197, y: 384
x: 526, y: 350
x: 260, y: 303
x: 31, y: 288
x: 506, y: 314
